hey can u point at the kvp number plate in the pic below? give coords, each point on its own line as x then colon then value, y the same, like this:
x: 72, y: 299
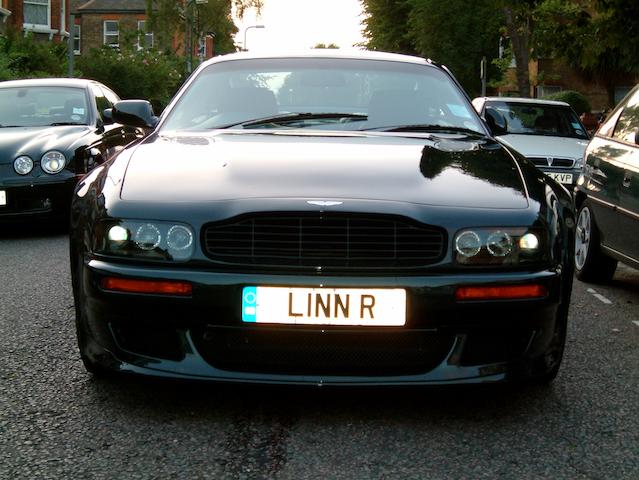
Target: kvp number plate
x: 324, y: 306
x: 561, y: 177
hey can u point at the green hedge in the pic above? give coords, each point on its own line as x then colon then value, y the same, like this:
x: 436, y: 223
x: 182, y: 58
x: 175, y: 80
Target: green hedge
x: 23, y: 57
x: 145, y: 74
x: 575, y: 99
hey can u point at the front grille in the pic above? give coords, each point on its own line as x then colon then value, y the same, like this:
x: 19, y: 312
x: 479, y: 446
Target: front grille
x: 326, y: 240
x: 552, y: 162
x: 322, y: 352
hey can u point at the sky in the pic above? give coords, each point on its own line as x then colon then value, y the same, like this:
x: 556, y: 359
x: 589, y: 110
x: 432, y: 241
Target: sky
x: 300, y: 24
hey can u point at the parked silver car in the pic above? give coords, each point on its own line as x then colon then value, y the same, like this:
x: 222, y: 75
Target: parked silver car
x: 548, y: 133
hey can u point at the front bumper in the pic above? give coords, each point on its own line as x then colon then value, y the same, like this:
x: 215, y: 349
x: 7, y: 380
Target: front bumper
x: 202, y: 337
x: 27, y: 197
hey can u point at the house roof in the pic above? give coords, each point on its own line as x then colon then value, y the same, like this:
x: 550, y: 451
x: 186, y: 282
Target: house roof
x: 110, y: 6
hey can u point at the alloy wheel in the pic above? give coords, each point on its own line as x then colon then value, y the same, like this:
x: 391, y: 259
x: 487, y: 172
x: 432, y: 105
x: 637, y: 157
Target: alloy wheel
x: 582, y: 237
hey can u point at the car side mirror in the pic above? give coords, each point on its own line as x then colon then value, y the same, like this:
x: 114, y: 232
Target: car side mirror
x: 135, y: 113
x: 496, y: 121
x: 107, y: 116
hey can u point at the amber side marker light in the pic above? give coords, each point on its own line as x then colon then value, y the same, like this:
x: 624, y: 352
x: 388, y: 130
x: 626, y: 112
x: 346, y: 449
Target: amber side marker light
x: 509, y: 292
x: 146, y: 286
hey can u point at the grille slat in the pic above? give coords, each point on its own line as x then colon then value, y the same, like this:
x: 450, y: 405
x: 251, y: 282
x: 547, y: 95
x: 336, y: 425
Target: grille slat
x: 552, y: 162
x: 341, y: 241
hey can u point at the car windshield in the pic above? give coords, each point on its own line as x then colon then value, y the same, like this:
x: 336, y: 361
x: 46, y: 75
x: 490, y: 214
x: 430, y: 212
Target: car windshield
x: 324, y: 94
x: 540, y: 119
x: 38, y: 106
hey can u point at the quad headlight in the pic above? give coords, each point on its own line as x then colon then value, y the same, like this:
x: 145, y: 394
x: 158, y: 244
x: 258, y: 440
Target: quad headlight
x: 23, y: 165
x: 53, y: 162
x: 506, y: 246
x: 145, y: 239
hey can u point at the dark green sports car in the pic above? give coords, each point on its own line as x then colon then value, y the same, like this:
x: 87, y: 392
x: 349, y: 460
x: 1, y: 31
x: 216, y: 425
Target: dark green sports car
x: 326, y: 218
x: 52, y: 132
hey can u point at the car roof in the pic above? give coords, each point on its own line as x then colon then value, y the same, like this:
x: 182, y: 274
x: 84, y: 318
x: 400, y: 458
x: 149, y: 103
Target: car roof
x: 48, y: 82
x: 537, y: 101
x: 324, y: 53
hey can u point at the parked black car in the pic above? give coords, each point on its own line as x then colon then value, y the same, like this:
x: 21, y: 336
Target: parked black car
x: 327, y: 218
x: 607, y: 196
x: 52, y: 131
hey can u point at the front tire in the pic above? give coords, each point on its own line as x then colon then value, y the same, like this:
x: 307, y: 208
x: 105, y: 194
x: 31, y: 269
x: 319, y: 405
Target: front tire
x: 81, y: 328
x: 591, y: 264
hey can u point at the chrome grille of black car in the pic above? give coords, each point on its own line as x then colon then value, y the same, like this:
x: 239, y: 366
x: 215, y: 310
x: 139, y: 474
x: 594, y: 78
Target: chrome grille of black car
x: 326, y: 240
x: 552, y: 162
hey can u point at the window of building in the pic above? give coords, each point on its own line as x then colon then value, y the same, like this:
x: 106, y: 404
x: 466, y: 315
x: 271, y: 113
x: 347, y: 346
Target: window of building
x: 76, y: 39
x: 112, y: 33
x: 37, y: 13
x: 145, y: 39
x: 63, y: 16
x: 545, y: 90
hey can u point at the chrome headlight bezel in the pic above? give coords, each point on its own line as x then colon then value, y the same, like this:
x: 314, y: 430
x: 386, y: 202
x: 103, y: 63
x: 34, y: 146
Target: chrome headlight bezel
x: 145, y: 239
x: 23, y: 165
x: 501, y: 247
x: 53, y: 162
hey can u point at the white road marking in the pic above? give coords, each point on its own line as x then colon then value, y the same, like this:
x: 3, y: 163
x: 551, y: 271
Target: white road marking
x: 636, y: 322
x: 599, y: 296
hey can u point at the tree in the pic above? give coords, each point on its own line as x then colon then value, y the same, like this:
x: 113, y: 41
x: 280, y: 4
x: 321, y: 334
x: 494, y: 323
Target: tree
x: 598, y: 37
x: 386, y: 25
x: 170, y: 17
x: 329, y: 46
x: 457, y: 36
x: 520, y: 25
x: 448, y: 32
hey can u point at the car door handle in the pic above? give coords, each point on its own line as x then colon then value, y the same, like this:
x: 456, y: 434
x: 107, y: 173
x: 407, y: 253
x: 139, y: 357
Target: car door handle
x: 626, y: 179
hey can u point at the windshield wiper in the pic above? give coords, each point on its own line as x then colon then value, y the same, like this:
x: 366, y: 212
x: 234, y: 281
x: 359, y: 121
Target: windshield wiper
x: 59, y: 124
x: 10, y: 126
x: 424, y: 128
x: 292, y: 117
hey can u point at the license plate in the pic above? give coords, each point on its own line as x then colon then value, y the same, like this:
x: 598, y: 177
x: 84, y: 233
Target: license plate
x: 3, y: 198
x: 378, y: 307
x: 561, y: 177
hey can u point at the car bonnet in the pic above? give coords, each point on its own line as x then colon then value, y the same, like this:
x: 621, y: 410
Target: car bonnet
x: 457, y: 172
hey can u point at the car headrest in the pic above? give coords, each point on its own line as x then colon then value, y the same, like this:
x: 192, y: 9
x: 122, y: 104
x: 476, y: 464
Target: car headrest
x: 258, y: 101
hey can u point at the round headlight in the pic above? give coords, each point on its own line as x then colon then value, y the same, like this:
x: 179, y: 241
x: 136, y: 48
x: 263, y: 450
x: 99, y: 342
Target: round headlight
x: 118, y: 234
x: 179, y: 238
x: 499, y: 244
x: 468, y: 244
x: 23, y: 165
x: 53, y: 162
x: 148, y: 236
x: 529, y: 242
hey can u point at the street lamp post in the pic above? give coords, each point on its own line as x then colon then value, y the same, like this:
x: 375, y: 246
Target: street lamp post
x: 188, y: 14
x: 246, y: 30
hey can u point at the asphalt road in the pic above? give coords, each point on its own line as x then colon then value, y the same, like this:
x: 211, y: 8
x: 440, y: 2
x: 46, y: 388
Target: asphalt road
x: 56, y: 421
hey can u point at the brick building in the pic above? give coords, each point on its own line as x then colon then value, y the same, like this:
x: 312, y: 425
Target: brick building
x: 95, y: 23
x: 46, y: 19
x: 548, y: 76
x: 107, y: 22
